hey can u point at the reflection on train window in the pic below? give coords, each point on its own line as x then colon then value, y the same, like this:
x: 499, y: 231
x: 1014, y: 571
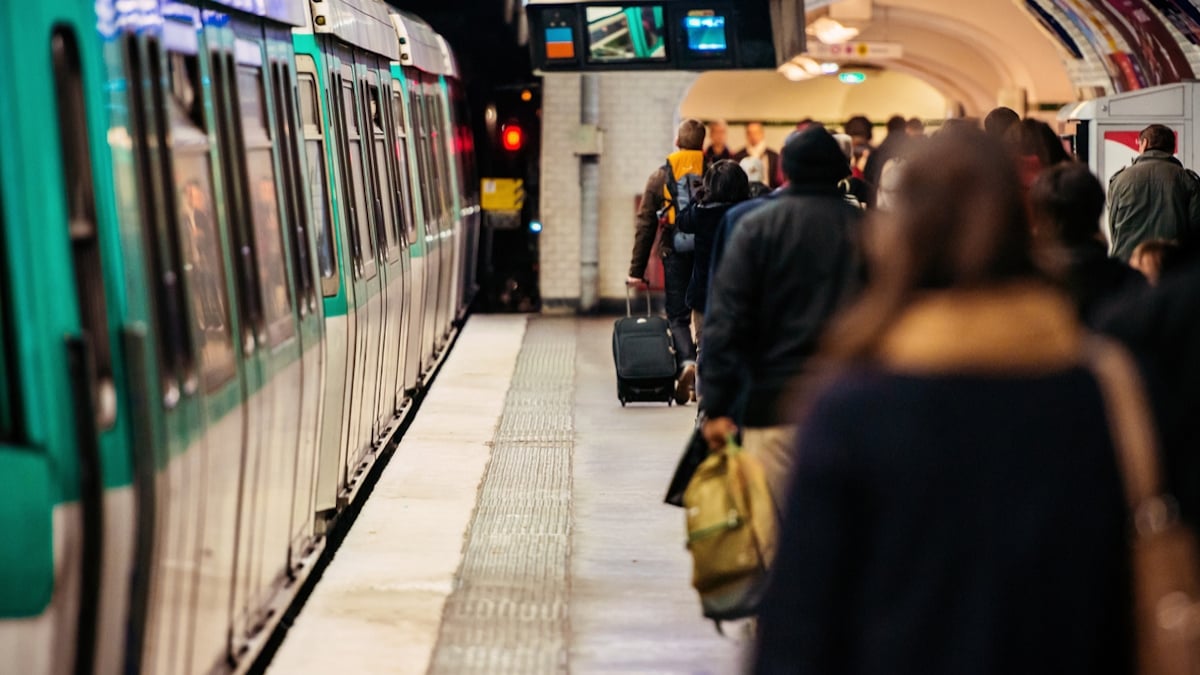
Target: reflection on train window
x: 202, y: 263
x: 264, y: 208
x: 199, y: 237
x: 318, y: 191
x: 406, y: 209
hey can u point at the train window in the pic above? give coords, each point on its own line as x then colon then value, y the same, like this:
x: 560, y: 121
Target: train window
x: 357, y: 185
x: 264, y: 205
x: 406, y: 207
x: 318, y: 190
x: 148, y: 129
x: 383, y: 169
x: 199, y: 236
x: 81, y: 220
x: 423, y: 170
x: 297, y: 214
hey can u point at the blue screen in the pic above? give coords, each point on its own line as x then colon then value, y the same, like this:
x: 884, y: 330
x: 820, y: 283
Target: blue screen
x: 706, y: 33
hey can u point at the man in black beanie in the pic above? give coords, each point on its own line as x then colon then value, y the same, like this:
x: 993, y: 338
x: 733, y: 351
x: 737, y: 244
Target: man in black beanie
x: 788, y: 266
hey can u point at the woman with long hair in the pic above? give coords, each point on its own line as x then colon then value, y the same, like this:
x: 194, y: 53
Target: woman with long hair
x: 956, y: 505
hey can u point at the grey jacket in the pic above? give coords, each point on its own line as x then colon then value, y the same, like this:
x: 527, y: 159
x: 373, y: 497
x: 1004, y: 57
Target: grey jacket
x: 1155, y: 198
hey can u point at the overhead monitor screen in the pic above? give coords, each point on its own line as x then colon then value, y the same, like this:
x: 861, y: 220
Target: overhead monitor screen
x: 626, y: 34
x: 706, y: 34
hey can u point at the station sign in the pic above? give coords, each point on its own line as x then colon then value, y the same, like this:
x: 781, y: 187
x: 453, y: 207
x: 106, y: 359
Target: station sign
x: 856, y: 51
x: 652, y: 35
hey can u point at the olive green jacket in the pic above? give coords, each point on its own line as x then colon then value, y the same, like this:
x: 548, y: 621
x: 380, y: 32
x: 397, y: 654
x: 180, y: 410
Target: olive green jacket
x: 1155, y: 198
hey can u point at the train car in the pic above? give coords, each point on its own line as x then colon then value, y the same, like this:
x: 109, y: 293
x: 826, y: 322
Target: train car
x: 216, y: 303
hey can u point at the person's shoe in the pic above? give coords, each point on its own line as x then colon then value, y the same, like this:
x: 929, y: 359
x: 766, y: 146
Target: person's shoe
x: 685, y: 384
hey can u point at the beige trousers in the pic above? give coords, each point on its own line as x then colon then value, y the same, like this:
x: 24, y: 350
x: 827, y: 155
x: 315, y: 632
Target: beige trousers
x: 774, y: 447
x: 697, y: 327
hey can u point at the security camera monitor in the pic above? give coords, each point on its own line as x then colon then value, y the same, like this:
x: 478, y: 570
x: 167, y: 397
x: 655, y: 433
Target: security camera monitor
x: 705, y: 34
x: 626, y: 34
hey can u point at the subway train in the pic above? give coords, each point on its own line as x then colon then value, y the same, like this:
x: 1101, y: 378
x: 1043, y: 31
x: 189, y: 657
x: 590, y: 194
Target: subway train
x: 237, y: 236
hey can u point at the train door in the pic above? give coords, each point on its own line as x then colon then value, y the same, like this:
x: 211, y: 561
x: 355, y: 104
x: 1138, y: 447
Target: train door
x: 367, y: 291
x: 65, y: 413
x: 375, y: 96
x: 197, y: 359
x: 408, y: 375
x: 274, y: 396
x: 427, y: 229
x: 456, y: 194
x: 414, y: 359
x: 437, y: 157
x: 303, y: 259
x: 336, y: 256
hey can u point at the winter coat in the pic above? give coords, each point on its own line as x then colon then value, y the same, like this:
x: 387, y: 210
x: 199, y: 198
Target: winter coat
x: 1155, y: 198
x: 957, y: 507
x: 788, y: 266
x: 1162, y: 327
x: 1094, y: 279
x: 701, y: 220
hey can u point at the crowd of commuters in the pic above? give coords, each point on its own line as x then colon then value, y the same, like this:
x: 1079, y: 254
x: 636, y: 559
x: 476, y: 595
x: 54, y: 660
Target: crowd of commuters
x: 905, y: 337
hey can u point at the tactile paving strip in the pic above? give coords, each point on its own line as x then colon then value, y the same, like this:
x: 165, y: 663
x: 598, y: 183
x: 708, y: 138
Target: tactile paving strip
x: 508, y: 611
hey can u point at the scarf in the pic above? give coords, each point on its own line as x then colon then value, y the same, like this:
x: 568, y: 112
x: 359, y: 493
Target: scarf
x: 1020, y: 328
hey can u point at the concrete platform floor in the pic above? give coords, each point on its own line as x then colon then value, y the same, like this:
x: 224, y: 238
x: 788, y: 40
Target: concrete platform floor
x: 629, y: 606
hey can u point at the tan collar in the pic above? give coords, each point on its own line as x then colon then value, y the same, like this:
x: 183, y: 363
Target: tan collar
x: 1018, y: 329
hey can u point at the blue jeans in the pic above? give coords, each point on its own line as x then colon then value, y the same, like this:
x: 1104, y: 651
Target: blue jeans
x: 677, y: 274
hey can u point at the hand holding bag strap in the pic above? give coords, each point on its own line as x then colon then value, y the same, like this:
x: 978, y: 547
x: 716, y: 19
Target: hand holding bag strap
x: 1165, y: 558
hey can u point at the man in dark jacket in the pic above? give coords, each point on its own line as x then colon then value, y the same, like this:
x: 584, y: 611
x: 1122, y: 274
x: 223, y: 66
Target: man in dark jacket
x: 1162, y: 327
x: 756, y: 146
x: 1156, y: 198
x: 657, y: 212
x: 788, y: 266
x: 888, y: 149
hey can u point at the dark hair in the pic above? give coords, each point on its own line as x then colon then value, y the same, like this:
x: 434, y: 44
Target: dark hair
x: 858, y: 126
x: 915, y: 125
x: 959, y: 221
x: 691, y: 135
x: 1035, y: 138
x: 1066, y: 202
x: 725, y: 182
x: 999, y: 120
x: 758, y: 189
x: 1158, y: 137
x: 896, y: 123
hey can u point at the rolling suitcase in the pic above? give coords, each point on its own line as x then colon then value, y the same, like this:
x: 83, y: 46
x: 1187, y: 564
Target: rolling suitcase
x: 644, y: 357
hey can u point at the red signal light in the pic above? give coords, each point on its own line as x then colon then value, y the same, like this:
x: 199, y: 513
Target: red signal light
x: 513, y: 137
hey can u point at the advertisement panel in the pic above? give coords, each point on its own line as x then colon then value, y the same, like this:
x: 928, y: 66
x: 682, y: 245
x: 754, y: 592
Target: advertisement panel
x: 1158, y: 54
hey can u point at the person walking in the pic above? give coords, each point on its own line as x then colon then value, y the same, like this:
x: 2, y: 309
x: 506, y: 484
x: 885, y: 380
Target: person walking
x: 956, y: 489
x: 756, y: 147
x: 718, y: 147
x: 658, y: 212
x: 788, y: 266
x: 891, y: 146
x: 1155, y: 198
x: 725, y: 186
x: 1066, y: 202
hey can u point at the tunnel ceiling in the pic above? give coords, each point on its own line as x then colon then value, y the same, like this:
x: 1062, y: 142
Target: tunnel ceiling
x: 1048, y: 52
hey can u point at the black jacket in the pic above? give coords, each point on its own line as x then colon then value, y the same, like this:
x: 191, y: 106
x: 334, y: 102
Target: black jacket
x: 788, y: 266
x: 1162, y: 326
x: 701, y: 220
x: 1094, y: 279
x: 945, y: 525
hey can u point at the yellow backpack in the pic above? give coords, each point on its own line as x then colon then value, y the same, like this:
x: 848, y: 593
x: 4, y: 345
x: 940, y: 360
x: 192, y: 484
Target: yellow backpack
x: 731, y: 533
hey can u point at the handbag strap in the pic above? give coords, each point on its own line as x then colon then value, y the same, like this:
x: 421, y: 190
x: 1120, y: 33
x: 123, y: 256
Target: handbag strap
x: 1130, y: 424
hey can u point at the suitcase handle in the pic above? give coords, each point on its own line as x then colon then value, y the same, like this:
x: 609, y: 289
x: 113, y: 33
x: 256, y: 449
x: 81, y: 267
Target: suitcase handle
x: 629, y: 303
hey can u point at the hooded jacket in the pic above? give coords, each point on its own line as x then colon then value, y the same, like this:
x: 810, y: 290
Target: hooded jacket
x: 788, y: 266
x: 1155, y: 198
